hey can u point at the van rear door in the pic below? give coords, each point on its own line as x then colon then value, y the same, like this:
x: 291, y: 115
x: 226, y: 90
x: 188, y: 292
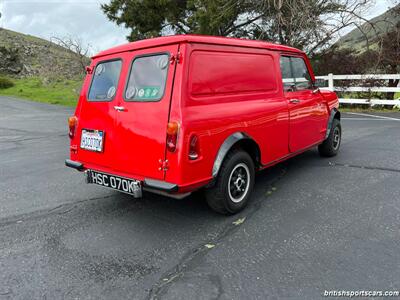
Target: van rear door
x: 142, y: 112
x: 96, y: 116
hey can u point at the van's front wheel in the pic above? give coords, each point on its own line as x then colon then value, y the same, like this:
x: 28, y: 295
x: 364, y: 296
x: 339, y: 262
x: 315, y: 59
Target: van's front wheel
x: 330, y: 147
x: 233, y: 185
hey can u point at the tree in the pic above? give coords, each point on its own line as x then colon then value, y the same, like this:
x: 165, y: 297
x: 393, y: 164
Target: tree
x: 150, y: 18
x: 310, y: 25
x: 79, y: 51
x: 306, y: 24
x: 382, y: 57
x: 388, y: 56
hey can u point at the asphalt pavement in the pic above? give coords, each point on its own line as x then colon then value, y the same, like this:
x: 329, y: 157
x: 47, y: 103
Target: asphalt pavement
x: 313, y: 224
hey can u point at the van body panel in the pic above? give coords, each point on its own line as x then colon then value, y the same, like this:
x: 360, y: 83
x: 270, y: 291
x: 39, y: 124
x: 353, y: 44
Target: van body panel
x: 308, y: 119
x: 97, y: 115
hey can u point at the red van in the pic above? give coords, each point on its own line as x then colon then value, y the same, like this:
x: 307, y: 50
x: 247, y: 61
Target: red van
x: 175, y: 114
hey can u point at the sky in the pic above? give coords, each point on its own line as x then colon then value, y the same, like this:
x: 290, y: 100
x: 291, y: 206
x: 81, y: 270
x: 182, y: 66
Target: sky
x: 82, y: 19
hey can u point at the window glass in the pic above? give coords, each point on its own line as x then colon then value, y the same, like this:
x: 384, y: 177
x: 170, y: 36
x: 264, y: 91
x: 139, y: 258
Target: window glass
x: 300, y: 73
x: 105, y: 81
x: 287, y: 77
x: 147, y: 78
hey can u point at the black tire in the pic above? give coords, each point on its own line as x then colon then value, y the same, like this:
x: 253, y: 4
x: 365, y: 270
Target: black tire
x: 237, y: 173
x: 330, y: 147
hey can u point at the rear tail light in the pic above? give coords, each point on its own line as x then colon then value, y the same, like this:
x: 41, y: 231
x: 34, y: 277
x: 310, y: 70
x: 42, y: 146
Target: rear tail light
x: 72, y: 123
x: 172, y: 135
x: 194, y: 149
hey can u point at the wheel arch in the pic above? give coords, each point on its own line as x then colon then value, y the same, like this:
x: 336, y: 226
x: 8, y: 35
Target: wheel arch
x: 335, y: 114
x: 237, y: 140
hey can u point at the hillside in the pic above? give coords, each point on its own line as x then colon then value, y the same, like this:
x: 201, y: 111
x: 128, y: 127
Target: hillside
x: 24, y: 55
x: 357, y: 39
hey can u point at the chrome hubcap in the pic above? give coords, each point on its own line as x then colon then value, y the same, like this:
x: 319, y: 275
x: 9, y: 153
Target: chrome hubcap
x: 239, y: 182
x: 336, y: 138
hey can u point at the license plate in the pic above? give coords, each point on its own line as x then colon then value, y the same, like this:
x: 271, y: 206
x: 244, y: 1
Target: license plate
x: 129, y: 186
x: 92, y: 140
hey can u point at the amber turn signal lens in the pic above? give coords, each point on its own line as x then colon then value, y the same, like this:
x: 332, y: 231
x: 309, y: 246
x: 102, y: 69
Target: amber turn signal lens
x: 72, y: 121
x: 172, y: 135
x: 172, y: 128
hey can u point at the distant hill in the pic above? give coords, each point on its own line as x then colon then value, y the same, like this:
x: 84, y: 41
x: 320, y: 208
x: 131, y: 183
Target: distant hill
x: 24, y: 55
x: 356, y: 39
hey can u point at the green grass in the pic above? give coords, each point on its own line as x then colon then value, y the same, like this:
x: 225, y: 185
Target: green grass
x: 63, y: 92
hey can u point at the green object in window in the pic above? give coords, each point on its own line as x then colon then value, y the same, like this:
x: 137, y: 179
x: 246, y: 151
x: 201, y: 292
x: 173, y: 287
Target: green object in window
x: 148, y: 92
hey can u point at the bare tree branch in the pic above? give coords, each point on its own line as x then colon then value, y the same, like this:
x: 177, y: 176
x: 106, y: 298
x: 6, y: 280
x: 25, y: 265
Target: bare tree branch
x: 79, y: 50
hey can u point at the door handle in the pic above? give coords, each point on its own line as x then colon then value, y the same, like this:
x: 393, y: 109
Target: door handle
x: 119, y: 108
x: 294, y: 101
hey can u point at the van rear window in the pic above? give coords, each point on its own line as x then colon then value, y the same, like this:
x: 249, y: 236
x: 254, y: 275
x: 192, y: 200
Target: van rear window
x: 147, y: 78
x: 105, y: 81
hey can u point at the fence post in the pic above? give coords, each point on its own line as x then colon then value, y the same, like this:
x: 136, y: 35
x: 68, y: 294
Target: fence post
x: 330, y: 82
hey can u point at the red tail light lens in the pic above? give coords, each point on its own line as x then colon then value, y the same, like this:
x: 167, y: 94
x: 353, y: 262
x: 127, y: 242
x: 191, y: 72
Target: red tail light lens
x: 72, y: 122
x: 194, y: 149
x: 172, y: 135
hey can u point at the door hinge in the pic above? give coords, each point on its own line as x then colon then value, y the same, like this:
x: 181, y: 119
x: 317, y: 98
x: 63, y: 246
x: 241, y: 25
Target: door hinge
x: 163, y: 165
x: 89, y: 70
x: 176, y: 58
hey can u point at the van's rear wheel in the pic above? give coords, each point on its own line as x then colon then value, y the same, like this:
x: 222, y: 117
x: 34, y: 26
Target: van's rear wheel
x: 233, y: 185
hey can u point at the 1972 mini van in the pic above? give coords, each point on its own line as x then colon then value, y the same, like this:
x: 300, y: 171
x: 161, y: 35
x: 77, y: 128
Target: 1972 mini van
x: 179, y: 113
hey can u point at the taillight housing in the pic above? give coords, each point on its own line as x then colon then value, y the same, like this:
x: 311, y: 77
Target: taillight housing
x: 194, y: 147
x: 172, y: 135
x: 72, y: 123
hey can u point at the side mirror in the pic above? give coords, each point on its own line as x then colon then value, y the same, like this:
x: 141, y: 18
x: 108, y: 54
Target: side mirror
x: 319, y: 83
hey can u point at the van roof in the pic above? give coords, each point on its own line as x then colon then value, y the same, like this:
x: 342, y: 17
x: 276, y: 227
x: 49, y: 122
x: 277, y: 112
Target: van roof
x: 204, y: 39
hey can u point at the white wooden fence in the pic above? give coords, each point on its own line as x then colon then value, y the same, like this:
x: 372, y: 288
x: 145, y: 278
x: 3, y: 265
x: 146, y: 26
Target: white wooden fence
x: 331, y: 86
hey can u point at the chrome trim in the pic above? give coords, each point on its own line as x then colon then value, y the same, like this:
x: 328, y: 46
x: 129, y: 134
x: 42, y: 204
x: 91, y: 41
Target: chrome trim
x: 119, y: 108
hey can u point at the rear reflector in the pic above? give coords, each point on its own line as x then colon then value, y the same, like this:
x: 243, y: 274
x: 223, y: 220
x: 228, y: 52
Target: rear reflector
x: 194, y: 148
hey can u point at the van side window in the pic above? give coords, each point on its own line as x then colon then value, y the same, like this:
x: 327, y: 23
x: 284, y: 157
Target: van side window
x: 295, y: 75
x: 287, y: 77
x: 147, y: 78
x: 301, y: 74
x: 105, y: 81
